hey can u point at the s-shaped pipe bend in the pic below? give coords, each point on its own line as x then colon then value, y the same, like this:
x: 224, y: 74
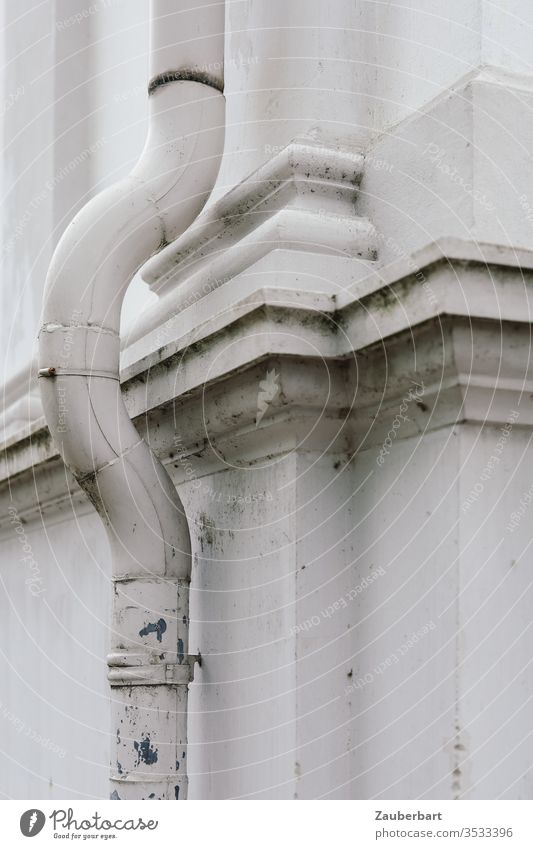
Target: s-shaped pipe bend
x: 79, y: 346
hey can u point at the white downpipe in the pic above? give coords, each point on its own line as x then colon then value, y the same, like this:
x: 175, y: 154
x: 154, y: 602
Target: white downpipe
x: 97, y: 257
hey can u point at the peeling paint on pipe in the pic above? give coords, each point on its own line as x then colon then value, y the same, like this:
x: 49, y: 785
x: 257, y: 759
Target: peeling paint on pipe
x: 98, y: 255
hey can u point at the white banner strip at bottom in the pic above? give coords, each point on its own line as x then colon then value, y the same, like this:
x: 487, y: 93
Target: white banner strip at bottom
x: 269, y: 824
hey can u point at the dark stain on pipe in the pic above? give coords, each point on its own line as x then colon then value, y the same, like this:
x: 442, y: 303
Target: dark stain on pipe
x: 157, y: 628
x: 145, y: 752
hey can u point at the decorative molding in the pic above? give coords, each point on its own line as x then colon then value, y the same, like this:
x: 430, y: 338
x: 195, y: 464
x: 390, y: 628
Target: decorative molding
x: 303, y: 174
x: 302, y: 200
x: 342, y: 370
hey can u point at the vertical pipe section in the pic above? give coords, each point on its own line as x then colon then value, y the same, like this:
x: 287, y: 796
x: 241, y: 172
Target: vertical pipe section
x: 295, y: 67
x: 79, y: 345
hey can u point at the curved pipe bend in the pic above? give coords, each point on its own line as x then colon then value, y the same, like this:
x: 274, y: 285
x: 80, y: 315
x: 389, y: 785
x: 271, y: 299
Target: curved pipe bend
x: 97, y: 257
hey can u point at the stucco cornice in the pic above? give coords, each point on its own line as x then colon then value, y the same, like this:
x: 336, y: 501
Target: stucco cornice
x: 343, y: 362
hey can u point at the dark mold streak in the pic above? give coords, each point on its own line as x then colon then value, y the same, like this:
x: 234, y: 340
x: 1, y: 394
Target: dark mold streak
x: 194, y: 75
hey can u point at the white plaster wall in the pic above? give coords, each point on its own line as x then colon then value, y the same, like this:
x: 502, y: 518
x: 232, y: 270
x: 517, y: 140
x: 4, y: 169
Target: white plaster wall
x: 276, y: 711
x: 404, y: 702
x: 507, y: 30
x: 419, y: 49
x: 292, y: 67
x: 73, y: 110
x: 119, y: 73
x: 502, y: 138
x: 461, y: 169
x: 406, y: 189
x: 456, y: 125
x: 55, y: 703
x: 27, y: 163
x: 449, y: 717
x: 338, y: 709
x: 242, y: 703
x: 495, y: 608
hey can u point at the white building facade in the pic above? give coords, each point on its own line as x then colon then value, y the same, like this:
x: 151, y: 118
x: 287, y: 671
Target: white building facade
x: 333, y: 365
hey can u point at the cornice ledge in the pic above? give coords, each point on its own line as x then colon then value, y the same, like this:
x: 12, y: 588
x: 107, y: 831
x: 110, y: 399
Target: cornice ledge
x: 496, y: 279
x: 446, y: 250
x: 449, y: 277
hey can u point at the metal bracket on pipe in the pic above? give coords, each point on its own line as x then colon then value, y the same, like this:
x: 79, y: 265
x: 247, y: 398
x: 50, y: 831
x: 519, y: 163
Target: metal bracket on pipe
x: 54, y: 371
x: 133, y: 670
